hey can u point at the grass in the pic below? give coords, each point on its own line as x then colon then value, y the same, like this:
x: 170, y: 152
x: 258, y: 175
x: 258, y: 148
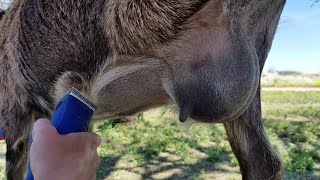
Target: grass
x: 316, y: 83
x: 298, y: 144
x: 291, y: 105
x: 151, y: 150
x: 157, y: 146
x: 290, y: 80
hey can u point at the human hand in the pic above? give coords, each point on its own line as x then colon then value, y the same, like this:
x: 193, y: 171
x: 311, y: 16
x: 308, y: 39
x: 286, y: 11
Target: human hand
x: 64, y: 157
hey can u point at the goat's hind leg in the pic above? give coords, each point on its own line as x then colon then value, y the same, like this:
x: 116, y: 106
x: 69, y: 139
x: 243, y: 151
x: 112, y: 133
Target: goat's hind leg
x: 16, y: 126
x: 249, y: 143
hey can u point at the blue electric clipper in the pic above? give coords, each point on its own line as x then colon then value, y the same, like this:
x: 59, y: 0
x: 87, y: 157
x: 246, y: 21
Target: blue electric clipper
x: 1, y: 135
x: 72, y: 115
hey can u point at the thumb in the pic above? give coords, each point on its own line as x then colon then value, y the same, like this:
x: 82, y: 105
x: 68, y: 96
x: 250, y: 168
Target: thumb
x: 42, y: 126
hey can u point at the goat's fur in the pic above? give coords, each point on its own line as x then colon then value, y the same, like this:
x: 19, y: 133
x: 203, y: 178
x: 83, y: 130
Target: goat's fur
x: 127, y: 56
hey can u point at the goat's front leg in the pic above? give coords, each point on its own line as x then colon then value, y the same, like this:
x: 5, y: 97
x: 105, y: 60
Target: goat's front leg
x: 15, y: 122
x: 251, y: 146
x: 16, y: 157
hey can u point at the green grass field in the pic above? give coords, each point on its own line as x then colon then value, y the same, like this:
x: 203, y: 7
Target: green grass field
x: 157, y: 146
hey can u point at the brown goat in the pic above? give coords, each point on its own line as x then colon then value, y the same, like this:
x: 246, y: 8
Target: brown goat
x: 206, y: 56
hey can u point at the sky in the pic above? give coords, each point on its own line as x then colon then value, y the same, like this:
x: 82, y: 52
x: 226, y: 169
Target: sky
x: 296, y: 45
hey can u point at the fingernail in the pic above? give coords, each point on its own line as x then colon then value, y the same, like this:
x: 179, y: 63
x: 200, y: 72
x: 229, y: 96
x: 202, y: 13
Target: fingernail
x: 39, y: 123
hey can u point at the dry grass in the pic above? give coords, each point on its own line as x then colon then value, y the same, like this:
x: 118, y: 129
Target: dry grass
x: 291, y: 80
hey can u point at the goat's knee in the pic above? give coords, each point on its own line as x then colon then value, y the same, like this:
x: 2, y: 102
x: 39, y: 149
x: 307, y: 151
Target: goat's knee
x: 251, y: 146
x: 256, y: 158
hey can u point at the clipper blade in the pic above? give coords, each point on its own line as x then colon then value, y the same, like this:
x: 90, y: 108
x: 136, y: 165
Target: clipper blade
x: 78, y: 95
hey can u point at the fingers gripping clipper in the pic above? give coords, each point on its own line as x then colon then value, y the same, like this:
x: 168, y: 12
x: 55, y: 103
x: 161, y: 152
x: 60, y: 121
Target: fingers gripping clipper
x: 72, y: 115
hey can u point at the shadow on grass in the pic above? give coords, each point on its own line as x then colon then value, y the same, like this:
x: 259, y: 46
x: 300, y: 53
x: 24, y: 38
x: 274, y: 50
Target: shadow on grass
x: 215, y: 161
x: 107, y: 166
x: 161, y: 168
x: 168, y: 165
x: 301, y: 143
